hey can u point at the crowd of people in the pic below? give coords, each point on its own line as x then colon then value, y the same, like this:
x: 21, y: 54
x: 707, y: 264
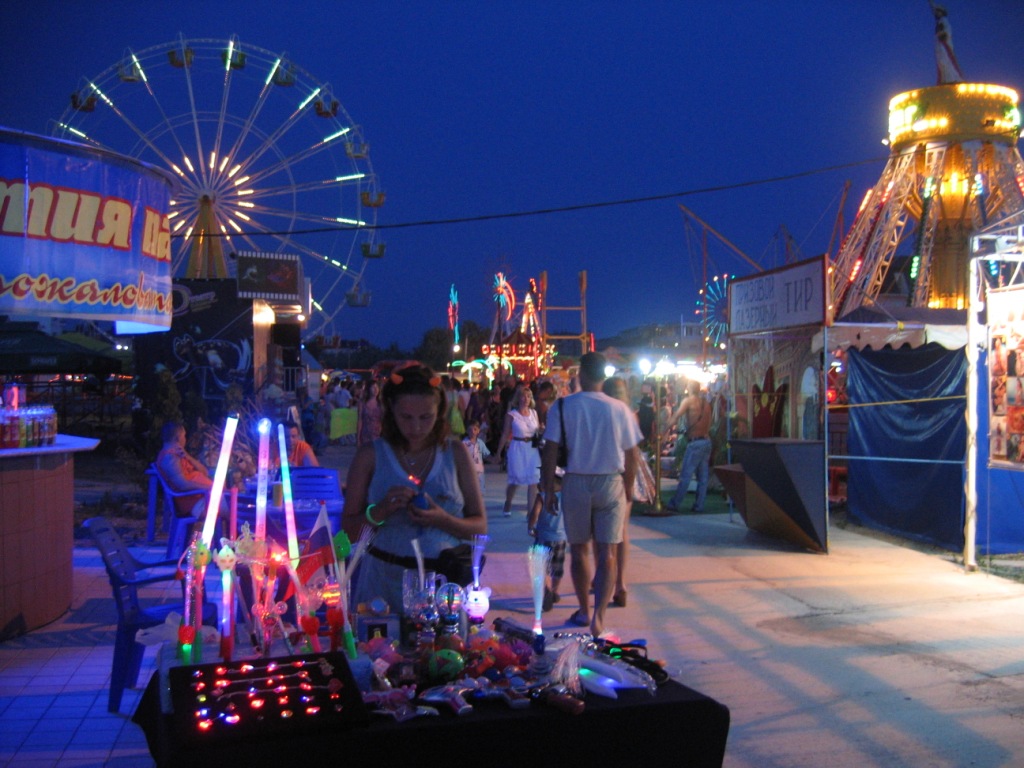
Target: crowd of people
x: 418, y: 477
x: 423, y: 479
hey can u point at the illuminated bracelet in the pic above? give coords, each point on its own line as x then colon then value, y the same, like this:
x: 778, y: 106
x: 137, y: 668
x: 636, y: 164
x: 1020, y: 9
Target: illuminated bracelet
x: 369, y: 517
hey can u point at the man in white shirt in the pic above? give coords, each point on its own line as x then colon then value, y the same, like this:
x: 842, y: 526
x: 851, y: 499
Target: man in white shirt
x: 602, y: 436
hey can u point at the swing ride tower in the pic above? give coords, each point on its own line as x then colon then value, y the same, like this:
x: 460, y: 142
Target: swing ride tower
x: 954, y: 168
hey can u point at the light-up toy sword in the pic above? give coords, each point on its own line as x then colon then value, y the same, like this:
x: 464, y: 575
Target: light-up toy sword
x: 289, y: 506
x: 262, y: 472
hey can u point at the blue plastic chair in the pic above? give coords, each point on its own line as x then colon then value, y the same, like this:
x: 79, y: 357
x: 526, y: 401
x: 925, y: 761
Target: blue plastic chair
x: 319, y: 483
x: 178, y: 528
x: 126, y: 574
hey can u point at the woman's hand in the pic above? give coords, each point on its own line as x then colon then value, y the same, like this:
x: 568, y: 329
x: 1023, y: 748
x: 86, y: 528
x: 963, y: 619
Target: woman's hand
x: 430, y: 517
x: 398, y: 497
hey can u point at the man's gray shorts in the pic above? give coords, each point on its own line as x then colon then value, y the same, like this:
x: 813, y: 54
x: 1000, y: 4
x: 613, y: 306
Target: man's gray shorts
x: 594, y: 507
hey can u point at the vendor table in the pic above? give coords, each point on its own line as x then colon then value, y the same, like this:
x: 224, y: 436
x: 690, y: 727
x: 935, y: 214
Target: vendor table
x: 678, y: 727
x: 37, y: 500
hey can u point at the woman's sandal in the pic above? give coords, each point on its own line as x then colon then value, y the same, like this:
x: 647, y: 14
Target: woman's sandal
x: 579, y: 618
x: 619, y: 599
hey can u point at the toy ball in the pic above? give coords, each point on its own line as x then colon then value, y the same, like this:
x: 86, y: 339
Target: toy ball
x: 445, y: 665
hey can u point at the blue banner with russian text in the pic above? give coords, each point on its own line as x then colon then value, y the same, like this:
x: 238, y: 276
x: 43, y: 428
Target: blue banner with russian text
x: 84, y: 233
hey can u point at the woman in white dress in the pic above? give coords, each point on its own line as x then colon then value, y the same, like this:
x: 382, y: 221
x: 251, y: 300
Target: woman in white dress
x: 523, y: 459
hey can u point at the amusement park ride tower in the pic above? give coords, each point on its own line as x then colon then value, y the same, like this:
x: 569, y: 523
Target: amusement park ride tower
x: 953, y: 170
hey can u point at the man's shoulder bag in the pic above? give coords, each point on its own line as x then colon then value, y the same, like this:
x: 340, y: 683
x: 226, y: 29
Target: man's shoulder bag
x: 563, y: 444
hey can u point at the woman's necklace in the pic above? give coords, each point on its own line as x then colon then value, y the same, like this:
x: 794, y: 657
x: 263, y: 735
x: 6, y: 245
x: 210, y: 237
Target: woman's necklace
x: 418, y: 464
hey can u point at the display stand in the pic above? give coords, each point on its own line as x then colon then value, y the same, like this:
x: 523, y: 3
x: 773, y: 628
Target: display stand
x: 37, y: 489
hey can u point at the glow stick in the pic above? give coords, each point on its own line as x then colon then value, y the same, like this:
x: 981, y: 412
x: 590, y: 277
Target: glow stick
x: 233, y: 519
x: 418, y: 551
x: 479, y: 542
x: 219, y: 477
x: 289, y: 506
x: 262, y: 470
x: 332, y: 567
x: 538, y: 557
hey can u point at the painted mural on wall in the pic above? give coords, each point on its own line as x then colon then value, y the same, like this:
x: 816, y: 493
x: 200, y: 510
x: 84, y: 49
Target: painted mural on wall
x: 1006, y: 377
x: 209, y: 346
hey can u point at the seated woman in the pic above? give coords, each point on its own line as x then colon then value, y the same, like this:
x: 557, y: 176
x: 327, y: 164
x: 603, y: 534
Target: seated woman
x: 413, y: 482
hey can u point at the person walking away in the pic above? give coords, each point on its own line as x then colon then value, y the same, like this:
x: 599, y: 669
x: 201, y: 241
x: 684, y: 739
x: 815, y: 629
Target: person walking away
x: 694, y: 417
x: 523, y: 458
x: 616, y: 387
x: 602, y: 437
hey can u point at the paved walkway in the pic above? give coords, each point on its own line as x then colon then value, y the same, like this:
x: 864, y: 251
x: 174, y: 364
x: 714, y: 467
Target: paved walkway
x: 872, y: 655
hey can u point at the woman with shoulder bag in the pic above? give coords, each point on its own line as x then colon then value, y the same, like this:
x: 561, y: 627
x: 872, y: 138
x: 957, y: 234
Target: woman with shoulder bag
x: 413, y: 482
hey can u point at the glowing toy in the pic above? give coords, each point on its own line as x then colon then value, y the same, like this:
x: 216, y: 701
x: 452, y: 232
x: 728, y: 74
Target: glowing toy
x: 538, y: 557
x: 479, y: 543
x: 196, y: 558
x: 226, y: 561
x: 449, y: 600
x: 453, y: 315
x: 289, y: 505
x: 478, y: 602
x: 262, y: 473
x: 219, y: 476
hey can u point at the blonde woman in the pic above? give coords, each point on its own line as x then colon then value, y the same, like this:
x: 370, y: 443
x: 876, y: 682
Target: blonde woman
x: 521, y: 425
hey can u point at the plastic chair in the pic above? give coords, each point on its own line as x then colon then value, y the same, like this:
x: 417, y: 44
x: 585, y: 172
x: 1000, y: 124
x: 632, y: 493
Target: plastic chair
x: 320, y: 483
x: 178, y: 528
x: 123, y: 570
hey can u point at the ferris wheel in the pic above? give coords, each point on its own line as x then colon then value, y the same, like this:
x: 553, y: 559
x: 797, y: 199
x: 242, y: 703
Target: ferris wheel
x: 265, y: 156
x: 713, y: 309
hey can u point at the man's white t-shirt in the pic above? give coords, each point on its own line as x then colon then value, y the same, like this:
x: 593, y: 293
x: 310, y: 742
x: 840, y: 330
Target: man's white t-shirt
x: 600, y: 430
x: 342, y: 398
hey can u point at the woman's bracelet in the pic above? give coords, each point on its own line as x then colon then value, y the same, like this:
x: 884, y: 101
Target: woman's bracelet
x: 370, y: 519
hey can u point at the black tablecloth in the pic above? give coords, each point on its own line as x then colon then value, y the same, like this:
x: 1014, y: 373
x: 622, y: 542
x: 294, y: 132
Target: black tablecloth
x: 678, y: 727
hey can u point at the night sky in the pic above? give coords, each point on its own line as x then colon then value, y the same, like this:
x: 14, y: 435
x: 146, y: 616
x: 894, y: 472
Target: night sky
x: 478, y: 109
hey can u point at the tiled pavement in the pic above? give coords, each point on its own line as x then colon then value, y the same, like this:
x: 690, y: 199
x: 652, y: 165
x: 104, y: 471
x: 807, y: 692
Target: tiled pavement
x: 872, y: 655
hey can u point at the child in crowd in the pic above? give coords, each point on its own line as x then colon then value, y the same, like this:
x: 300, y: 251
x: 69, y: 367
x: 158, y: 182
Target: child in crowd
x: 548, y: 530
x: 477, y: 449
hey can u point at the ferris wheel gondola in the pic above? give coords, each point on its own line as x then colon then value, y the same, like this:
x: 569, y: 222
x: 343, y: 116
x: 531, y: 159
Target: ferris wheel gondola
x: 266, y: 159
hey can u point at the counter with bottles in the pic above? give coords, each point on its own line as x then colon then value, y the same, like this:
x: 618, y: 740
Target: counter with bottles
x: 37, y: 503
